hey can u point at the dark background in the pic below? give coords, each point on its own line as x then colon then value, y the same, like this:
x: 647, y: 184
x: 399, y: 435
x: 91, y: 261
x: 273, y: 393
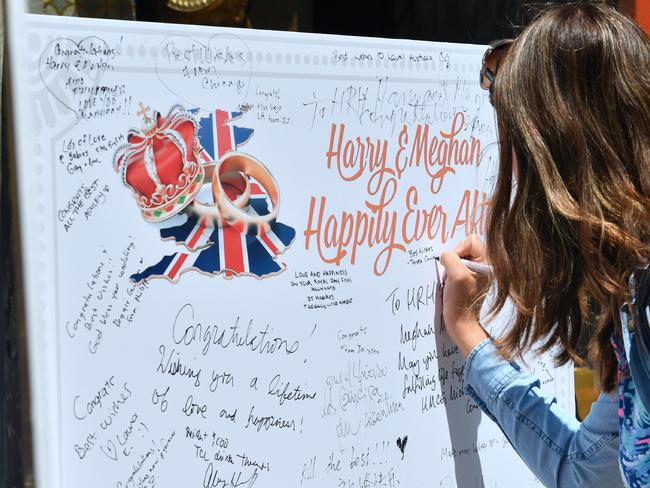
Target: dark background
x: 467, y: 21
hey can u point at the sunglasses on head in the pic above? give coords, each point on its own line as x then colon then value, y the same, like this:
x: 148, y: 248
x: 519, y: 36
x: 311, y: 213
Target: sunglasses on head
x: 491, y: 61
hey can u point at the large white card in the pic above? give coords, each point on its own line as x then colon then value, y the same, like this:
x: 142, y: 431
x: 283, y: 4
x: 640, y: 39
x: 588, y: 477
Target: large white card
x: 277, y: 325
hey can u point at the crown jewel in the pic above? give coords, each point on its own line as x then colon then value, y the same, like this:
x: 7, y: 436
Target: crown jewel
x: 161, y: 163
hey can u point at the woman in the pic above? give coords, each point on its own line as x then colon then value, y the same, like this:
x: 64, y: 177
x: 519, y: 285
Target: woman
x: 568, y: 235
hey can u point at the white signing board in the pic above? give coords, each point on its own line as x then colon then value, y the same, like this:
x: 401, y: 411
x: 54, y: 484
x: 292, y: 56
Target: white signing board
x: 228, y: 240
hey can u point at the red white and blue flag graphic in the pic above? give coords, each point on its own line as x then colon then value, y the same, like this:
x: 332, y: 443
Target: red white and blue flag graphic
x: 223, y: 250
x: 217, y: 134
x: 229, y: 253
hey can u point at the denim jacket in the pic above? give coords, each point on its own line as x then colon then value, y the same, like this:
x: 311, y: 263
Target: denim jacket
x: 611, y: 445
x: 610, y: 448
x: 559, y: 450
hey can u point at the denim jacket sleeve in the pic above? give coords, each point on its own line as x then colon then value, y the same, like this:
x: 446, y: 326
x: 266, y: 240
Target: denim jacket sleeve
x: 559, y: 449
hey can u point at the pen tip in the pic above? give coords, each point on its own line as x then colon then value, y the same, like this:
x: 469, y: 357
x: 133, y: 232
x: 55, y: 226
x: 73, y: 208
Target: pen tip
x: 437, y: 258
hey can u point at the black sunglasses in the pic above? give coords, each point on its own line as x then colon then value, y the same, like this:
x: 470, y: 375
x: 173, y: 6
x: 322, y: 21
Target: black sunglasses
x: 491, y: 61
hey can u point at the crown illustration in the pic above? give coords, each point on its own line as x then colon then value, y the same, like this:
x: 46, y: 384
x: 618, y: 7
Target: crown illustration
x: 161, y: 164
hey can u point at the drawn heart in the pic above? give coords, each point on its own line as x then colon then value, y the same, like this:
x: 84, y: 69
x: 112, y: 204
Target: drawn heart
x: 199, y: 72
x: 69, y: 69
x: 401, y: 443
x: 109, y: 450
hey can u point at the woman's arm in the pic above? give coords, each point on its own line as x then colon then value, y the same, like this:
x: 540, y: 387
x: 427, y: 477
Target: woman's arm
x: 558, y: 449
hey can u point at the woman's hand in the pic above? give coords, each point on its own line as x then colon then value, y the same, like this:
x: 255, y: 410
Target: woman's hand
x: 463, y: 294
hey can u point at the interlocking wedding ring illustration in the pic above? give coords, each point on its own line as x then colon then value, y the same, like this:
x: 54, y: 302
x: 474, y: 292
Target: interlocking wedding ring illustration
x: 245, y: 222
x: 232, y: 178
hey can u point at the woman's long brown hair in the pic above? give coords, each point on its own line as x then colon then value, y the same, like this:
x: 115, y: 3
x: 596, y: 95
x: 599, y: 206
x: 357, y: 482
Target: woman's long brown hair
x: 572, y: 99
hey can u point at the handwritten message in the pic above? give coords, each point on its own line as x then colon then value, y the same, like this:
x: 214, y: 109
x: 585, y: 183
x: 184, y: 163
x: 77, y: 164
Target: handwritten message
x: 199, y: 70
x: 75, y: 74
